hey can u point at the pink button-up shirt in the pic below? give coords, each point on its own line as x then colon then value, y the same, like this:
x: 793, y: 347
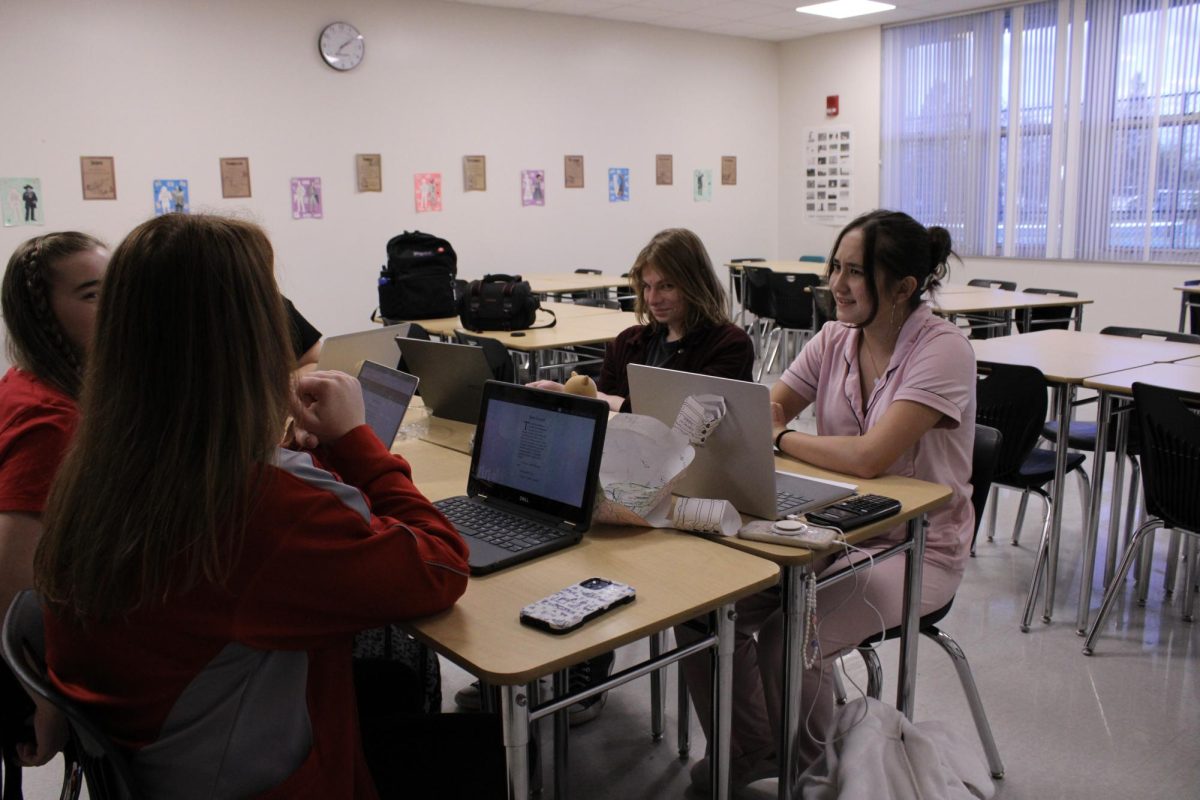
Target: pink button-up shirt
x: 934, y: 365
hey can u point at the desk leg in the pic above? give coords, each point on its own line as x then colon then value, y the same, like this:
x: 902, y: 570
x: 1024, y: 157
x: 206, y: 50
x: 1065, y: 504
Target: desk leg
x: 722, y: 702
x: 1114, y: 511
x: 1066, y: 396
x: 906, y: 685
x: 562, y: 724
x: 794, y: 608
x: 514, y: 717
x: 1091, y: 532
x: 1183, y: 309
x: 658, y: 700
x: 685, y: 715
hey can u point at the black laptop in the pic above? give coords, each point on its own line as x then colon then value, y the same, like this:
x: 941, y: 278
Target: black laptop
x: 535, y: 469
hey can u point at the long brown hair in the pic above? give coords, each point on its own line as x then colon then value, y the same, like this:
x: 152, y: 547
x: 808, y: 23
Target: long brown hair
x: 680, y: 257
x: 37, y: 342
x: 185, y: 397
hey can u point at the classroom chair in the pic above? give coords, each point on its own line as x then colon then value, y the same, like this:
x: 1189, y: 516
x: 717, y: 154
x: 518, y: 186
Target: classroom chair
x: 791, y: 298
x: 496, y: 353
x: 1048, y: 317
x: 90, y: 755
x: 757, y: 300
x: 1194, y: 310
x: 1012, y: 399
x: 983, y: 465
x: 1170, y: 475
x: 987, y: 326
x: 813, y: 259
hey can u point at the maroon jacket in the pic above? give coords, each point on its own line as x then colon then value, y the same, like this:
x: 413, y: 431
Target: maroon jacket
x: 721, y: 350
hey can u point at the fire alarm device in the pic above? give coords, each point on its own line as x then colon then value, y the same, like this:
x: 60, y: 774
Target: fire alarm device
x: 831, y: 105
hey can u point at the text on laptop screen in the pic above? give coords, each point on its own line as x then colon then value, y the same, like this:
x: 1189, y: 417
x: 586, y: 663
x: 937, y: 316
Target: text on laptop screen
x: 536, y: 450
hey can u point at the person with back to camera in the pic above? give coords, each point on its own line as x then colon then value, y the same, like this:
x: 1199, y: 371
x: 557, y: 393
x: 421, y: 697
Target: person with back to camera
x: 203, y: 585
x: 684, y: 325
x: 49, y: 296
x: 894, y: 390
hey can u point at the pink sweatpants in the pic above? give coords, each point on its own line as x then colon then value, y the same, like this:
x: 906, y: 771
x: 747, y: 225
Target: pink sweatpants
x: 844, y: 620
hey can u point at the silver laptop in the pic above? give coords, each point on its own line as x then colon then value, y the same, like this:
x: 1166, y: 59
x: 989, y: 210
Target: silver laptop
x: 535, y: 468
x: 736, y: 463
x: 386, y: 395
x: 452, y: 376
x: 347, y: 351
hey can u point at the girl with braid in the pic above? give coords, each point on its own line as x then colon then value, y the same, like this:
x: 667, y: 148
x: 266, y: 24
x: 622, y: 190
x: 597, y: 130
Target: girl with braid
x: 49, y: 298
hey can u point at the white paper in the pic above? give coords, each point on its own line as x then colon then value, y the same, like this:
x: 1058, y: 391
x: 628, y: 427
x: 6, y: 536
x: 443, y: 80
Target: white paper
x: 642, y: 460
x: 706, y: 516
x: 699, y: 416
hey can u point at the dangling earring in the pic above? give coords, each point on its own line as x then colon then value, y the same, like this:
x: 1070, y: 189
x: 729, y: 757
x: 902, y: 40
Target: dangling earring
x: 892, y: 321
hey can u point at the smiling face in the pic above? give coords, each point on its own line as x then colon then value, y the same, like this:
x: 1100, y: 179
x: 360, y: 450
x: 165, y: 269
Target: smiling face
x: 664, y: 300
x: 75, y: 291
x: 848, y: 281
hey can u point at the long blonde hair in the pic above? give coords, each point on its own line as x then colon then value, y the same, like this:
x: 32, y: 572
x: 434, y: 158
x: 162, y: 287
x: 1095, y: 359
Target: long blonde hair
x: 184, y: 398
x: 679, y: 256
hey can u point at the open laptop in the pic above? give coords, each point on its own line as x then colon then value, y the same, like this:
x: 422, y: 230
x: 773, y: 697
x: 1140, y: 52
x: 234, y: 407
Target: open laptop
x: 386, y: 395
x: 452, y: 376
x: 347, y: 351
x: 535, y: 469
x: 736, y: 463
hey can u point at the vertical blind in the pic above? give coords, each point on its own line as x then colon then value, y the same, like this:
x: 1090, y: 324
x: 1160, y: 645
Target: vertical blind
x: 1057, y: 129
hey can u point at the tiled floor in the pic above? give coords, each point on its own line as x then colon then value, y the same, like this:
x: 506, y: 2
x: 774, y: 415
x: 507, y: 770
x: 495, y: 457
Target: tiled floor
x: 1124, y: 723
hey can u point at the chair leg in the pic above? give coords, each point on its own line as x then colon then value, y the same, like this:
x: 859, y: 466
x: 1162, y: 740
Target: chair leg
x: 874, y: 672
x: 658, y: 699
x: 1172, y: 563
x: 1040, y: 565
x: 1115, y: 586
x: 963, y: 668
x: 1144, y: 563
x: 993, y: 497
x: 839, y: 686
x: 1085, y: 495
x: 1189, y: 580
x: 685, y: 716
x: 1016, y: 534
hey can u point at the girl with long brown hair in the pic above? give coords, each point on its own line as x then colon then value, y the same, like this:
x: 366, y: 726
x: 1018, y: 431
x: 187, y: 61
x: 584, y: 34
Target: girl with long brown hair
x: 203, y: 585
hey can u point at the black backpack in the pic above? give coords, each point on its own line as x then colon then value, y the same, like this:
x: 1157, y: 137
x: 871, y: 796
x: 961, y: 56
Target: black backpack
x: 418, y: 280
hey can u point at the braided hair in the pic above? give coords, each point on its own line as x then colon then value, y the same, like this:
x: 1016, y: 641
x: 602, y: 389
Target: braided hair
x: 37, y: 342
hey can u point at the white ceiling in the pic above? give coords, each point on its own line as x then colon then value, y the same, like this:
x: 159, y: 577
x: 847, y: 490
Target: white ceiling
x: 773, y: 20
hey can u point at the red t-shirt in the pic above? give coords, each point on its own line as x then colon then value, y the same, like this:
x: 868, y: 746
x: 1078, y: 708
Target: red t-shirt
x: 36, y: 424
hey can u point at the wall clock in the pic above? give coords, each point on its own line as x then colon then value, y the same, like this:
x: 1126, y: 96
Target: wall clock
x: 342, y: 46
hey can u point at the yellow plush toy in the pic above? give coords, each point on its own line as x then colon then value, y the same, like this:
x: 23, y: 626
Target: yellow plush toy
x: 580, y: 385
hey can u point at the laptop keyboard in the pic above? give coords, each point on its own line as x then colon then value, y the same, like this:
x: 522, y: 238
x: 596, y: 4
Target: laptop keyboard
x: 488, y: 524
x: 787, y: 500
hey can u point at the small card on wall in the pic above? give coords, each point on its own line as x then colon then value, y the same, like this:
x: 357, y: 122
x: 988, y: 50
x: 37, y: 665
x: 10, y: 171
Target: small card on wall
x: 664, y: 170
x: 702, y: 186
x: 573, y: 172
x: 22, y: 199
x: 729, y: 170
x: 171, y: 196
x: 474, y: 173
x: 306, y: 199
x: 235, y: 177
x: 618, y: 184
x: 533, y: 187
x: 99, y: 177
x: 368, y: 168
x: 427, y: 186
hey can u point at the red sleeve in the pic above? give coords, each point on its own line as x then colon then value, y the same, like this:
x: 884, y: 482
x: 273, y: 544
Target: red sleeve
x: 31, y: 450
x: 346, y: 559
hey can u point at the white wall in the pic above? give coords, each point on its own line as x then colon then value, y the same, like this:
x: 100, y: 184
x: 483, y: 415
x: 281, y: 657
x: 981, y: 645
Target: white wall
x: 169, y: 88
x: 849, y: 64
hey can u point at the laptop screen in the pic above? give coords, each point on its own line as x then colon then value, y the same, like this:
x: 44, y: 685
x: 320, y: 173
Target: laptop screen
x: 539, y: 449
x: 386, y: 395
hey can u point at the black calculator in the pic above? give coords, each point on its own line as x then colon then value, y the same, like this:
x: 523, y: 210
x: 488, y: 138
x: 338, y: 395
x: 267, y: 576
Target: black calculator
x: 854, y: 512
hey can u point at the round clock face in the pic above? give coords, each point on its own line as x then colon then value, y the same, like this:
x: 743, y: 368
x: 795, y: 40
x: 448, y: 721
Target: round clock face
x: 342, y: 46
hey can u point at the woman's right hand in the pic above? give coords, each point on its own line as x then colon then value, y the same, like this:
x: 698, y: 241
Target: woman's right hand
x: 326, y: 406
x: 550, y: 386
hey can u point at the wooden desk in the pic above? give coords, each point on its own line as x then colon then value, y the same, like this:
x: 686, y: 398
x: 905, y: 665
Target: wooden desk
x: 561, y: 283
x: 916, y: 498
x: 678, y: 577
x: 1114, y: 387
x: 593, y: 327
x: 1067, y: 358
x: 979, y: 300
x: 1189, y: 297
x: 444, y: 327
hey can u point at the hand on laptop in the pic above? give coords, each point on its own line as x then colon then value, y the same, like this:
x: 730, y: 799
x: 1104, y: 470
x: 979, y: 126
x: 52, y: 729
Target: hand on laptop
x: 326, y: 406
x: 549, y: 386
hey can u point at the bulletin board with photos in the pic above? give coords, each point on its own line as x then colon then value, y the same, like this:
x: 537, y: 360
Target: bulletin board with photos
x: 828, y: 174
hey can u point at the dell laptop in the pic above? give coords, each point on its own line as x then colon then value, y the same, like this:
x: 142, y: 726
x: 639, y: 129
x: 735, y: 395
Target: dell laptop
x: 452, y: 376
x: 535, y: 472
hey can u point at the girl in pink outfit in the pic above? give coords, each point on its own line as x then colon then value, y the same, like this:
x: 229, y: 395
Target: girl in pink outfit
x: 894, y: 393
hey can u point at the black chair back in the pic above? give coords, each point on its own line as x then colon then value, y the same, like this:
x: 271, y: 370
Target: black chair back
x: 757, y: 299
x: 1151, y: 333
x: 104, y: 766
x: 1170, y: 456
x: 1048, y: 317
x: 991, y: 283
x: 737, y: 284
x: 1012, y: 400
x: 1194, y: 309
x: 823, y: 306
x: 792, y: 299
x: 984, y: 459
x: 495, y: 352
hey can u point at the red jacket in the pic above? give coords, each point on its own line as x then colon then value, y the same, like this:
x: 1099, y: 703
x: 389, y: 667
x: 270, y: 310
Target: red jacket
x: 724, y: 351
x: 246, y: 689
